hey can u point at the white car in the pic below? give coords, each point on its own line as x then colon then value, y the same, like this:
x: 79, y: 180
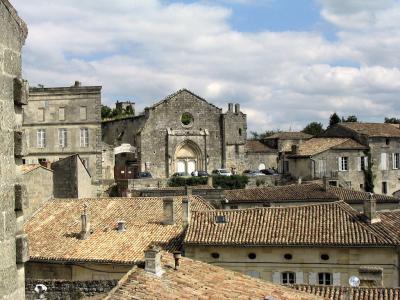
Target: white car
x: 221, y: 172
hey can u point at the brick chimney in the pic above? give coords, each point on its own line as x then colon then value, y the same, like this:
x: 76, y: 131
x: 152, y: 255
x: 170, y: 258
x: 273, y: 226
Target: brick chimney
x: 152, y: 259
x: 85, y: 231
x: 168, y: 211
x: 370, y: 209
x: 186, y: 211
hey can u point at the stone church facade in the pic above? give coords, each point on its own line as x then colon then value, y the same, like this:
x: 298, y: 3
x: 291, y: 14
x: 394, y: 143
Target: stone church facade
x: 181, y: 133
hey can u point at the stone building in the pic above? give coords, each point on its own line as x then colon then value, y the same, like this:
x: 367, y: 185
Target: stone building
x: 383, y: 142
x: 103, y: 238
x: 39, y: 186
x: 303, y: 194
x: 13, y: 95
x: 182, y: 133
x: 343, y: 160
x: 315, y: 244
x: 63, y: 121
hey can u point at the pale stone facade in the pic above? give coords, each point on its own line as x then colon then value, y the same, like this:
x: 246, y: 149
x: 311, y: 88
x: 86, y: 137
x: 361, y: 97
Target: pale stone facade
x: 164, y: 145
x: 64, y: 121
x: 13, y: 94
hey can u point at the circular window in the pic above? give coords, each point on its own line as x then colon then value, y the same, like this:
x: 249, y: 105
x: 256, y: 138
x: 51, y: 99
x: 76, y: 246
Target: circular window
x: 215, y: 255
x: 252, y: 255
x: 288, y: 256
x: 186, y: 119
x: 324, y: 256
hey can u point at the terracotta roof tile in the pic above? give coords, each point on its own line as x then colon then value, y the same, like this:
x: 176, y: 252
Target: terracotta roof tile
x: 319, y: 145
x: 53, y: 231
x: 374, y: 129
x: 258, y: 147
x: 198, y: 280
x: 301, y: 193
x: 290, y: 135
x: 348, y: 293
x: 334, y: 224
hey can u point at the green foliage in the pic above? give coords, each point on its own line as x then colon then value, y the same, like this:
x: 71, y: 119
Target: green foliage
x: 115, y: 113
x: 259, y: 136
x: 230, y: 182
x: 105, y: 112
x: 368, y: 174
x: 392, y: 120
x: 314, y: 128
x: 260, y: 182
x: 334, y: 119
x: 182, y: 181
x: 351, y: 118
x: 186, y: 118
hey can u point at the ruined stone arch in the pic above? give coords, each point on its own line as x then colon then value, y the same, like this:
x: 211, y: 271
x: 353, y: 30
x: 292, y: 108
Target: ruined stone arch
x: 188, y: 157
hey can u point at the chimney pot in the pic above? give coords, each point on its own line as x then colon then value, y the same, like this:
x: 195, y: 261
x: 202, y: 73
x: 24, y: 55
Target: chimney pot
x: 230, y: 107
x: 169, y: 211
x: 121, y: 226
x: 370, y: 209
x: 177, y: 257
x: 85, y: 231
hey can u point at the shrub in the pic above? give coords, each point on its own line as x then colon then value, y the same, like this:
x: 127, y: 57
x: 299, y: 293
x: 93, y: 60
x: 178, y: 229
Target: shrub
x: 182, y: 181
x: 230, y: 182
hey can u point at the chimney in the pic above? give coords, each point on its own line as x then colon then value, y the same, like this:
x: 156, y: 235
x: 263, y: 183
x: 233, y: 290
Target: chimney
x: 121, y: 226
x: 77, y: 83
x: 325, y: 183
x: 169, y: 211
x: 295, y: 149
x: 177, y: 257
x: 152, y: 259
x: 237, y: 108
x: 230, y: 107
x: 186, y: 211
x: 370, y: 209
x: 85, y: 231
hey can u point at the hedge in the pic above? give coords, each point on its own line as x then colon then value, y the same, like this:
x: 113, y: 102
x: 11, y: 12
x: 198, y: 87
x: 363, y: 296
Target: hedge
x: 224, y: 182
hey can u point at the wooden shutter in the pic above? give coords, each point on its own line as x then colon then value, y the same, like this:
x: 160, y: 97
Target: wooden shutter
x: 359, y: 163
x: 339, y: 164
x: 299, y: 278
x: 276, y: 277
x: 383, y: 163
x: 312, y: 278
x: 336, y: 278
x: 366, y: 162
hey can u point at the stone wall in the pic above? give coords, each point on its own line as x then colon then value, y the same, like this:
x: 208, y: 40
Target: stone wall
x: 39, y: 187
x: 13, y: 94
x: 69, y: 290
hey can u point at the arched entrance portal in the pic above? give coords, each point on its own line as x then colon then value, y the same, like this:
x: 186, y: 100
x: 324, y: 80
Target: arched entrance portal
x: 188, y: 158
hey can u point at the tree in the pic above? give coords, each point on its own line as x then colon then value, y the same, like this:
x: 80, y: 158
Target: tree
x: 105, y: 112
x: 129, y: 111
x: 351, y: 118
x: 392, y: 120
x: 314, y: 128
x: 334, y: 119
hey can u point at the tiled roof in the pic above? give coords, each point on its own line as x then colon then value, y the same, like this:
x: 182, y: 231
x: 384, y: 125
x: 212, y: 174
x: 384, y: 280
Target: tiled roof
x: 257, y: 146
x: 198, y: 280
x: 290, y: 135
x: 333, y: 224
x: 319, y: 145
x: 53, y: 231
x: 391, y: 219
x: 374, y: 129
x: 28, y: 168
x: 301, y: 193
x: 193, y: 187
x: 348, y: 293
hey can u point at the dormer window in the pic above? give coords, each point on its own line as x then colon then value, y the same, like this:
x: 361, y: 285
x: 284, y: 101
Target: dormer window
x: 220, y: 219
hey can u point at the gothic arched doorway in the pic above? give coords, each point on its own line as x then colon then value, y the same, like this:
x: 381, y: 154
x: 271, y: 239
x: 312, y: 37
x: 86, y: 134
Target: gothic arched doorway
x: 188, y: 158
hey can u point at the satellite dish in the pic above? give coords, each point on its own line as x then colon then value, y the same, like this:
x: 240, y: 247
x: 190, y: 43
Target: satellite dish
x: 354, y: 281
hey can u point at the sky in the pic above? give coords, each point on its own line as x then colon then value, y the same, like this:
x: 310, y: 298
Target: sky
x: 286, y: 62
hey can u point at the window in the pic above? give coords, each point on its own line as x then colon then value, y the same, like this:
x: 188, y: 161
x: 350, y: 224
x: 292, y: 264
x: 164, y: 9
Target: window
x: 362, y: 163
x: 62, y: 137
x: 220, y: 219
x: 83, y: 113
x: 383, y: 164
x: 61, y: 114
x: 215, y: 255
x: 41, y: 114
x: 186, y: 119
x: 387, y: 141
x: 254, y: 274
x: 384, y: 187
x: 288, y: 278
x: 41, y: 138
x: 343, y: 163
x: 240, y: 131
x: 288, y: 256
x: 84, y: 137
x: 396, y: 161
x: 237, y: 149
x: 325, y: 278
x: 324, y: 256
x: 252, y: 255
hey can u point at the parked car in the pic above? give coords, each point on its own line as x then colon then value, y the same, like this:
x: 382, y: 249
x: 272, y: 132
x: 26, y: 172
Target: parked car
x: 200, y: 174
x: 144, y: 175
x: 251, y: 173
x: 179, y: 174
x: 269, y: 172
x: 222, y: 172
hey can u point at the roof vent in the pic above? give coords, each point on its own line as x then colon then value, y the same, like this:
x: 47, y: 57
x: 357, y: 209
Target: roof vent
x: 121, y: 226
x: 77, y: 83
x: 220, y: 219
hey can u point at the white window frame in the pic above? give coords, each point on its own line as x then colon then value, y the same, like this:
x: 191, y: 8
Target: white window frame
x: 343, y: 163
x: 327, y: 278
x: 41, y: 138
x: 285, y: 277
x: 396, y: 161
x: 62, y: 137
x: 84, y: 137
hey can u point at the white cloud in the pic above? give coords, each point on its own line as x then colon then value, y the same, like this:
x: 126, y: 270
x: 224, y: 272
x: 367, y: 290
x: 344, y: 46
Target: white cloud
x: 143, y: 50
